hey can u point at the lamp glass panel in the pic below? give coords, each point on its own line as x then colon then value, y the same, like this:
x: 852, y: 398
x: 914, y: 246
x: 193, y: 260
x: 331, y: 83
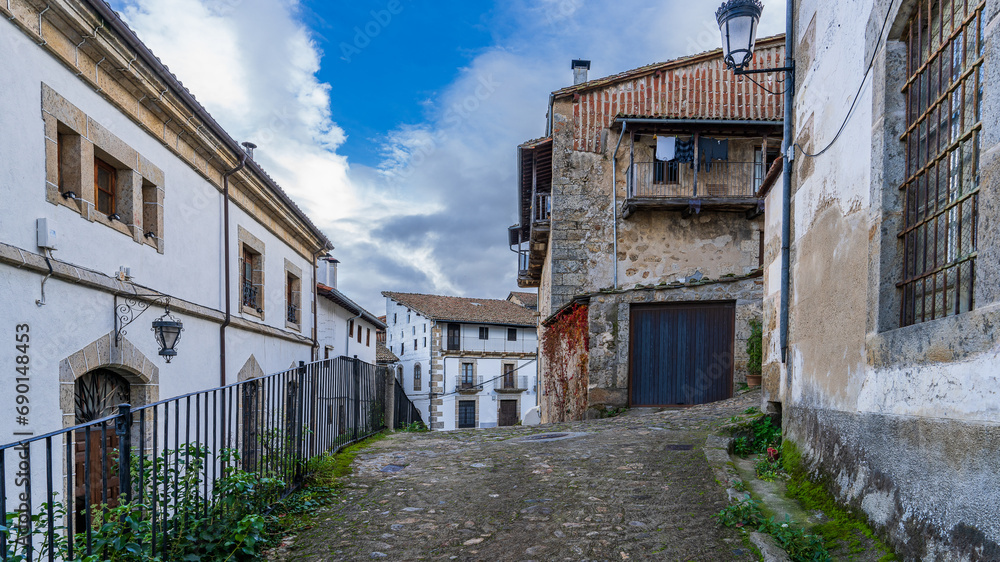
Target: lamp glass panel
x: 170, y: 335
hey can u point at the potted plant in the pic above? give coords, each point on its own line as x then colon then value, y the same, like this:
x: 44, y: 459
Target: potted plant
x: 755, y: 353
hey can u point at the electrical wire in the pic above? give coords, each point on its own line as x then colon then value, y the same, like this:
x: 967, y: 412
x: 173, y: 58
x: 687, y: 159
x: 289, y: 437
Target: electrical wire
x: 762, y: 87
x: 864, y: 79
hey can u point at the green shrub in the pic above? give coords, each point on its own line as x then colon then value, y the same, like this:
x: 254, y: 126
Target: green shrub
x: 755, y: 348
x: 756, y: 436
x: 800, y: 545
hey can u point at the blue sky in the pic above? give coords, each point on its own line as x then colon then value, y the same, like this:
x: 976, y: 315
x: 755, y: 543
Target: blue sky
x: 399, y: 141
x: 410, y: 77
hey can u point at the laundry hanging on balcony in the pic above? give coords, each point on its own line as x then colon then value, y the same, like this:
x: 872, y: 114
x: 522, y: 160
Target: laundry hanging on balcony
x: 712, y: 149
x: 684, y: 151
x: 666, y: 148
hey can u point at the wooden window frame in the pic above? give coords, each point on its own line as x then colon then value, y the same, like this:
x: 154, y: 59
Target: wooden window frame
x: 417, y: 378
x: 113, y: 193
x: 368, y: 337
x: 511, y: 331
x: 484, y: 332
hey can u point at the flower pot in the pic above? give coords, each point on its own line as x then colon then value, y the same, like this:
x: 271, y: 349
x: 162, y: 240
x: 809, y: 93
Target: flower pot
x: 753, y: 380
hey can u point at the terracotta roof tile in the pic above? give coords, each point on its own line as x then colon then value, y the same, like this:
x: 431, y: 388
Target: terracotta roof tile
x: 460, y: 309
x: 383, y: 355
x: 525, y: 299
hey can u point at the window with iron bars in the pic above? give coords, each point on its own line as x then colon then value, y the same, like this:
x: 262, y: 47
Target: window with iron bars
x: 249, y: 289
x: 940, y: 194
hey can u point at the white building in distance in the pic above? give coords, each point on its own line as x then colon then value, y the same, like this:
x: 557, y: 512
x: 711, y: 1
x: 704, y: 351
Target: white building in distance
x: 464, y: 362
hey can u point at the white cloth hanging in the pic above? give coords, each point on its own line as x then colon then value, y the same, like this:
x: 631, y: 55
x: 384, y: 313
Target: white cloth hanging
x: 666, y: 148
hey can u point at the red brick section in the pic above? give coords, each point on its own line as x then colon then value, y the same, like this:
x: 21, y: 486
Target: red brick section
x: 459, y: 309
x: 696, y: 87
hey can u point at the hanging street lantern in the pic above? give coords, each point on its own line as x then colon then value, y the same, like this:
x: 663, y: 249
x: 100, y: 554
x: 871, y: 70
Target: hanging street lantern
x: 167, y: 330
x: 738, y: 23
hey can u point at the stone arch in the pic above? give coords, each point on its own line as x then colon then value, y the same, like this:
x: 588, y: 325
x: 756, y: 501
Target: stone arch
x: 123, y: 359
x: 250, y: 370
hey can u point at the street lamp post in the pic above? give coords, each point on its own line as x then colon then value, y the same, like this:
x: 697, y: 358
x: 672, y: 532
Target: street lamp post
x: 738, y: 21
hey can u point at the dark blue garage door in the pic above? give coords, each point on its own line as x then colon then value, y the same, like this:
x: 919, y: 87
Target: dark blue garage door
x: 681, y: 354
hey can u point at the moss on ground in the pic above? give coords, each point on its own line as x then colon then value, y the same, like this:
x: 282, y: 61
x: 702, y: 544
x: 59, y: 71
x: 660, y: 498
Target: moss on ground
x: 842, y: 527
x: 324, y: 476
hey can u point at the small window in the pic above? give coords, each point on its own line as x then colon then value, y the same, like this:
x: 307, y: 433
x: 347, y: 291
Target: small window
x: 368, y: 337
x: 511, y: 334
x: 62, y: 141
x: 508, y: 375
x: 414, y: 344
x: 292, y: 299
x: 249, y: 276
x: 407, y: 316
x: 105, y: 180
x: 394, y: 318
x: 402, y: 349
x: 350, y: 328
x: 425, y: 328
x: 484, y: 333
x: 425, y: 342
x: 414, y: 330
x: 359, y: 334
x: 416, y: 377
x: 467, y: 375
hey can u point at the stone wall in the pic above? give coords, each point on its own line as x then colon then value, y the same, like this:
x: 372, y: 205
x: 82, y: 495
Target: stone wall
x: 898, y: 421
x: 610, y: 316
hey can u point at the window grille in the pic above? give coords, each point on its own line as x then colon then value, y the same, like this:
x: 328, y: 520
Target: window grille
x: 944, y: 91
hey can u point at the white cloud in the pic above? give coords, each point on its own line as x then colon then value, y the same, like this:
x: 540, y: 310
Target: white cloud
x: 432, y: 217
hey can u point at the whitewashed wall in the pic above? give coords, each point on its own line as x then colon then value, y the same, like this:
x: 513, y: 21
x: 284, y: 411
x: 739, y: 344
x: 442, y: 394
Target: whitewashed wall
x: 332, y: 332
x: 190, y: 267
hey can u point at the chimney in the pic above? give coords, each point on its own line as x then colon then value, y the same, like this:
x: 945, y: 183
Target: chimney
x: 328, y: 272
x: 248, y: 148
x: 580, y: 68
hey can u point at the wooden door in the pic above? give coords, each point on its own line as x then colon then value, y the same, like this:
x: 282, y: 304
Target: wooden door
x: 681, y: 354
x: 508, y: 413
x: 96, y: 471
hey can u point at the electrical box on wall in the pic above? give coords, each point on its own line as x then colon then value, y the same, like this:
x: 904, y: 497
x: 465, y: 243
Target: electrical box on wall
x: 46, y: 232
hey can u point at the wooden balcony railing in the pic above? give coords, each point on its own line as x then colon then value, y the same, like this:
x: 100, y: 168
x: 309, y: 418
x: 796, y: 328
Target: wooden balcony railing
x: 678, y: 180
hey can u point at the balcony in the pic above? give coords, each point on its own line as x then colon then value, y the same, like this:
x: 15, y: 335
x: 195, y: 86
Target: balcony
x: 250, y: 295
x: 474, y: 345
x: 511, y: 384
x: 469, y: 385
x: 724, y: 186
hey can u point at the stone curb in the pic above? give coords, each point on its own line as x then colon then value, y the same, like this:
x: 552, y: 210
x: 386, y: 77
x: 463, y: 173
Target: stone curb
x: 716, y: 451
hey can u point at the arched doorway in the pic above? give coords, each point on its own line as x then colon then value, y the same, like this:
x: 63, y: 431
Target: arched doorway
x: 96, y: 395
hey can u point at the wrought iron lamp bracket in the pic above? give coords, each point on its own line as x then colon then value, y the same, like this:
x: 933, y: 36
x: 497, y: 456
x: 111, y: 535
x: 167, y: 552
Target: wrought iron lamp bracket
x: 739, y: 71
x: 131, y: 308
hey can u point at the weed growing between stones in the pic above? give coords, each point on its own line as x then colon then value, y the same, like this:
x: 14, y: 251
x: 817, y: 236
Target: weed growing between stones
x: 611, y: 412
x: 800, y: 545
x: 415, y: 427
x: 842, y: 527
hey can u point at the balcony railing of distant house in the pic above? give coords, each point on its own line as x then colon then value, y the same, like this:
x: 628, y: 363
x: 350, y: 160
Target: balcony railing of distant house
x: 511, y: 383
x: 293, y: 314
x: 680, y: 180
x: 469, y: 384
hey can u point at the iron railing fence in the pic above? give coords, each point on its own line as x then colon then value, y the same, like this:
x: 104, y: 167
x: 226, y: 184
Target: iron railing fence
x: 406, y: 412
x: 672, y: 180
x: 165, y: 458
x: 541, y: 207
x: 250, y: 294
x: 511, y: 382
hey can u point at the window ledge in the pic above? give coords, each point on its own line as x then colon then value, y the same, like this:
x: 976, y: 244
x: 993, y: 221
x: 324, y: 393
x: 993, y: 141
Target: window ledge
x: 251, y: 311
x: 945, y: 340
x: 293, y: 326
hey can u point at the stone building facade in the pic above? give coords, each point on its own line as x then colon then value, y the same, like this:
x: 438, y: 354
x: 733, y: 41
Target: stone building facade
x: 604, y: 221
x: 888, y: 384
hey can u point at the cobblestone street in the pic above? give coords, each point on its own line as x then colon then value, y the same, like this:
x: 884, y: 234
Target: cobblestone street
x: 635, y: 487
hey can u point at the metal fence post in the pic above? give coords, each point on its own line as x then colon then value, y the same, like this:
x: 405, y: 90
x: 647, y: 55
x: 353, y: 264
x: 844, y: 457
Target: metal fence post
x: 300, y: 421
x: 123, y: 427
x: 357, y: 395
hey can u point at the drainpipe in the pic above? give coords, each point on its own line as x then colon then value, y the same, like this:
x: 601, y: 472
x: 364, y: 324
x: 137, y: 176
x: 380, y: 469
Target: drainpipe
x: 786, y: 180
x: 226, y: 266
x: 315, y: 306
x: 614, y: 197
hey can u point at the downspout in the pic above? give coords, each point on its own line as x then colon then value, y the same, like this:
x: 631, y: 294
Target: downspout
x: 315, y: 306
x: 226, y: 266
x: 614, y: 197
x: 786, y: 180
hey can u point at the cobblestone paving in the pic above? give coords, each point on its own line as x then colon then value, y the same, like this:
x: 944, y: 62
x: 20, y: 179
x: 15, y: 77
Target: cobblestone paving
x: 635, y: 487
